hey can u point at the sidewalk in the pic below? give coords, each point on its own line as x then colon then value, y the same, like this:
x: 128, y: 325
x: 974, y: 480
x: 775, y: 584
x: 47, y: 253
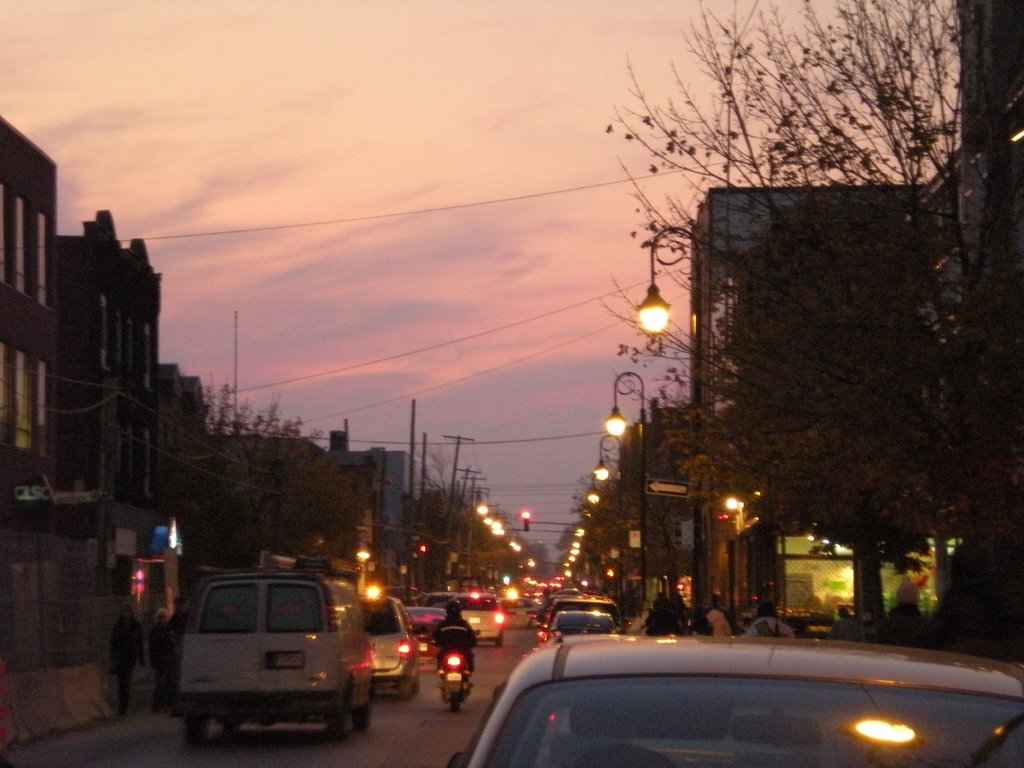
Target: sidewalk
x: 44, y: 703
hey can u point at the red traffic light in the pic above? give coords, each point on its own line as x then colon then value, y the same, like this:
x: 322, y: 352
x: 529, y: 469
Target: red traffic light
x: 525, y: 517
x: 423, y: 547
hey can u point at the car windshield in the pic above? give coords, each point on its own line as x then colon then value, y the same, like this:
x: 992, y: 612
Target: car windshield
x: 661, y: 722
x: 580, y: 623
x: 381, y: 619
x: 478, y: 603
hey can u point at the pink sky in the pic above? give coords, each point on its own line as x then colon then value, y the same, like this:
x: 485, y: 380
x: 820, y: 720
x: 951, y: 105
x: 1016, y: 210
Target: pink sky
x: 224, y: 115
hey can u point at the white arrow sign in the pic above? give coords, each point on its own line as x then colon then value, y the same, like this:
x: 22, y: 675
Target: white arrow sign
x: 667, y: 488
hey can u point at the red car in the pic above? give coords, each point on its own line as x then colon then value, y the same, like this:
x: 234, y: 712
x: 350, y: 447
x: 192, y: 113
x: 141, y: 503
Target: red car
x: 424, y: 621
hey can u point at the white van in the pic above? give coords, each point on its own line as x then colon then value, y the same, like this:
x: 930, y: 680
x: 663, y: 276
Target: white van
x: 275, y: 646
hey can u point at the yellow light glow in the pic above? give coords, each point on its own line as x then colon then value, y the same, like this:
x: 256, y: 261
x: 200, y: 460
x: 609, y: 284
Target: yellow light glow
x: 616, y: 422
x: 1018, y: 135
x: 601, y: 472
x: 889, y: 733
x: 653, y: 311
x: 373, y: 591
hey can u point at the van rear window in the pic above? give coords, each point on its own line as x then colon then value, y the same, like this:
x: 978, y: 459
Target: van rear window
x: 294, y: 608
x: 229, y: 608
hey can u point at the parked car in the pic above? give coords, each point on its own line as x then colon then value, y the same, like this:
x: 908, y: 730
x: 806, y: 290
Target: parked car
x: 573, y: 624
x: 702, y: 701
x: 482, y: 610
x: 396, y: 650
x: 275, y: 646
x: 424, y: 621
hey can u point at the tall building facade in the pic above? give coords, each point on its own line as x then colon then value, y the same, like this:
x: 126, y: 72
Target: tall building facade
x: 108, y: 397
x: 28, y: 331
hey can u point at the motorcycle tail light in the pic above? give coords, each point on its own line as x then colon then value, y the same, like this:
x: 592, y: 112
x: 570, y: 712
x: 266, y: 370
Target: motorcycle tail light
x: 453, y: 661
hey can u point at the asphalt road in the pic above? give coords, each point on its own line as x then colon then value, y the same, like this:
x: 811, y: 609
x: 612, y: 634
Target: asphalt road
x: 421, y: 733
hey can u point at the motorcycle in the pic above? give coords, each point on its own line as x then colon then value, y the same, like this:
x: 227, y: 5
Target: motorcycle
x: 454, y: 677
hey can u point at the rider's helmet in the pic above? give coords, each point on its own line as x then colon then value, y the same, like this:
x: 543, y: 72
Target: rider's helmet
x: 453, y: 608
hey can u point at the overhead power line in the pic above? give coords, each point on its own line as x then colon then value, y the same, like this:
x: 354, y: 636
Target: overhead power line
x: 413, y: 212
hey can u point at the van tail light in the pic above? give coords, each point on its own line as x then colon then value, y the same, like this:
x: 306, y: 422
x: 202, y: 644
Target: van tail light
x: 499, y: 618
x: 404, y: 648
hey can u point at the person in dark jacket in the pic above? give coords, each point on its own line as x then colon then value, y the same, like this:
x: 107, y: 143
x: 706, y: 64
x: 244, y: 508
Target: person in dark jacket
x: 662, y: 620
x: 126, y: 650
x: 163, y: 657
x: 455, y: 634
x: 904, y: 625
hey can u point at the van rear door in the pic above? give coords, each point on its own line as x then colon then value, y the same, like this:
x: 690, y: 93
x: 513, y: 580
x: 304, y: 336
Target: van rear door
x: 297, y: 654
x: 224, y: 652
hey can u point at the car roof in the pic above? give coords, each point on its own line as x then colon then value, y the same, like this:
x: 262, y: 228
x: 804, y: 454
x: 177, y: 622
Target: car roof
x: 583, y: 599
x: 770, y: 657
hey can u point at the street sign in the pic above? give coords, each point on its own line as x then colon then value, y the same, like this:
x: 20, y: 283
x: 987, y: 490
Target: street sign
x: 667, y: 488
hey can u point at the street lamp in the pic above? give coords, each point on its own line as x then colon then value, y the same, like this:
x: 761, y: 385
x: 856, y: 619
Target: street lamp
x: 630, y: 383
x: 653, y: 311
x: 602, y: 471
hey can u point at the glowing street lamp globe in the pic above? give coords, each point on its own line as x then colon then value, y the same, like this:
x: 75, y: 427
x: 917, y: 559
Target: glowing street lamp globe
x: 653, y: 311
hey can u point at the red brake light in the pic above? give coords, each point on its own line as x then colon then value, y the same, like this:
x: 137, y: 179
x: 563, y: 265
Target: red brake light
x: 453, y: 661
x: 404, y: 648
x: 499, y: 618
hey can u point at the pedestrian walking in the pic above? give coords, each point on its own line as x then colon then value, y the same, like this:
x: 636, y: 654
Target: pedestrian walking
x: 768, y: 624
x: 905, y: 624
x: 716, y: 623
x: 126, y: 650
x: 662, y: 620
x: 846, y: 627
x: 179, y: 623
x: 163, y: 660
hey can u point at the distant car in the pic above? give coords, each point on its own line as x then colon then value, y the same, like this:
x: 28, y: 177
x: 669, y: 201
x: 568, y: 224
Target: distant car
x: 520, y: 612
x: 438, y: 599
x: 396, y: 651
x: 707, y: 701
x: 424, y: 621
x: 482, y: 610
x: 589, y: 603
x: 573, y: 624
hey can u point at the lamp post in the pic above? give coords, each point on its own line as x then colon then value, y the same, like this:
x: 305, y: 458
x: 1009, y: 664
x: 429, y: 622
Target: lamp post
x: 602, y: 471
x: 653, y: 311
x: 653, y: 314
x: 630, y: 383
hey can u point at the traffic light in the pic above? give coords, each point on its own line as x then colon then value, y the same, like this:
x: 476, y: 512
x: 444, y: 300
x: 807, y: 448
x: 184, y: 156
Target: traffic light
x: 423, y: 548
x: 525, y: 517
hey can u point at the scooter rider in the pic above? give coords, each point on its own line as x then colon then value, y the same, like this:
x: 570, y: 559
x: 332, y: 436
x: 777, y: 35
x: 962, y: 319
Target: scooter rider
x: 455, y: 634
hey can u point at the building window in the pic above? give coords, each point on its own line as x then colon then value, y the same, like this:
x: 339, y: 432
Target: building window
x: 41, y: 248
x: 3, y: 240
x: 129, y: 348
x: 104, y: 330
x: 19, y: 244
x: 42, y: 401
x: 22, y: 401
x: 147, y: 352
x: 147, y: 459
x: 6, y: 379
x: 116, y: 348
